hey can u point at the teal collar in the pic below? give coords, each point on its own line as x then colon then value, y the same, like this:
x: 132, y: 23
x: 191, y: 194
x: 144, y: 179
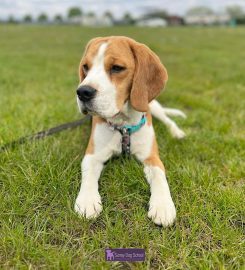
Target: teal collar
x: 126, y: 131
x: 129, y: 128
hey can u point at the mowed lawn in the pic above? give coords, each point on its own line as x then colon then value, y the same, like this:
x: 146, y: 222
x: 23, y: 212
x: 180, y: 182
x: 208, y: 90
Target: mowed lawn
x: 40, y: 181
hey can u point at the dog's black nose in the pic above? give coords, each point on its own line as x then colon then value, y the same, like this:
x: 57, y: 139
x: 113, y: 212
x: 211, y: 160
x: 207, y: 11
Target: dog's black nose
x: 86, y: 93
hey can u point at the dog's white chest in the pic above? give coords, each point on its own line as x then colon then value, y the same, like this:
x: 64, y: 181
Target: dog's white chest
x: 141, y: 142
x: 107, y: 141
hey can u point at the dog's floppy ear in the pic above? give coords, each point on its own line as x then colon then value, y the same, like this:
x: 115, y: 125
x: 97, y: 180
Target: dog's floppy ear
x: 149, y: 79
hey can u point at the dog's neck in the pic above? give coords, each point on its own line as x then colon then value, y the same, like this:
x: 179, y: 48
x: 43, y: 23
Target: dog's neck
x: 127, y: 116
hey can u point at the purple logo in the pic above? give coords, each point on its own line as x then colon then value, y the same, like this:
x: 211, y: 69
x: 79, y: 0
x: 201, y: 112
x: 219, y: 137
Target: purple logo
x: 125, y: 254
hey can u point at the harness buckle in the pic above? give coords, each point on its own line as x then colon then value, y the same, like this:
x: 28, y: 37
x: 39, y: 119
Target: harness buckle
x: 125, y: 142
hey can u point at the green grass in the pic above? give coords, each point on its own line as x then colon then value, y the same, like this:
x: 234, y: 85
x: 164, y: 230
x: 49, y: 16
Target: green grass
x: 40, y: 181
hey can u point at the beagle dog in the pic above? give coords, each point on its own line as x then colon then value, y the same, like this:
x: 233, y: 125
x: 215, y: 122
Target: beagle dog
x: 119, y: 80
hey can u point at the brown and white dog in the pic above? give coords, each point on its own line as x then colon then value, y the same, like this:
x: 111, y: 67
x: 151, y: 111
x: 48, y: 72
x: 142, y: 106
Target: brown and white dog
x: 119, y: 79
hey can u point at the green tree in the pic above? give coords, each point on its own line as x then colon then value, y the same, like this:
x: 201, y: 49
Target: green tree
x: 74, y: 12
x: 42, y: 18
x: 200, y: 11
x: 91, y: 14
x: 58, y: 18
x: 128, y: 18
x: 156, y: 14
x: 109, y: 14
x: 11, y: 19
x: 27, y: 18
x: 236, y: 12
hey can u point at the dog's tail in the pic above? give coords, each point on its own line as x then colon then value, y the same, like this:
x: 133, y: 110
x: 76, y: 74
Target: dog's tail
x: 162, y: 114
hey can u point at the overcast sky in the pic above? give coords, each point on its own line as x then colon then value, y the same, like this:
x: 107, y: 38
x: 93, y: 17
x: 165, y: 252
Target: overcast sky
x: 18, y: 8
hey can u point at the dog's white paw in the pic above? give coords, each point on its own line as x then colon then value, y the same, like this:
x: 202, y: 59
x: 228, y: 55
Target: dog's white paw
x: 162, y: 211
x: 177, y: 133
x: 88, y: 205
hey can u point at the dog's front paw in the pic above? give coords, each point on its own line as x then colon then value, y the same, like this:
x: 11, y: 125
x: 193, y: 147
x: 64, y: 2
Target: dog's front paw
x: 88, y: 205
x: 162, y: 211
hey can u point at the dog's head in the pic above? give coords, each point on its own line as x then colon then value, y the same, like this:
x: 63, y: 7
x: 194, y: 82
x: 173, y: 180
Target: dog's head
x: 115, y: 70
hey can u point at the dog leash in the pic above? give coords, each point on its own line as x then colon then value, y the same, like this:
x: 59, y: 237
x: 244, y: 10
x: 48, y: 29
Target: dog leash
x: 126, y: 131
x: 42, y: 134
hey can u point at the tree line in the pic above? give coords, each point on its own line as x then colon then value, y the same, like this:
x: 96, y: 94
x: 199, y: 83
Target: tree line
x: 236, y: 12
x: 73, y: 12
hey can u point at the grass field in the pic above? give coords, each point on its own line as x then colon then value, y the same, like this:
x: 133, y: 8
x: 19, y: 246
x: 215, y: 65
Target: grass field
x: 40, y: 181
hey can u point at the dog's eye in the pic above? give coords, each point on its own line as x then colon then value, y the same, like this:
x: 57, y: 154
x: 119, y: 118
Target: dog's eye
x: 85, y: 68
x: 117, y: 69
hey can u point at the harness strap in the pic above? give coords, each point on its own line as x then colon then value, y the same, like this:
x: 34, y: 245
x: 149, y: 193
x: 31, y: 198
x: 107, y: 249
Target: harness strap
x: 126, y: 131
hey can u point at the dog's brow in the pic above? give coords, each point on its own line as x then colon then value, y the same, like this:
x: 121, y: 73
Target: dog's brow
x: 100, y: 55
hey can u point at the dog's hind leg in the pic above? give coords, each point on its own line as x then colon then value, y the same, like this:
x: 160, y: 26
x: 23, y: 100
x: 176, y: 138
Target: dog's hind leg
x: 161, y: 113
